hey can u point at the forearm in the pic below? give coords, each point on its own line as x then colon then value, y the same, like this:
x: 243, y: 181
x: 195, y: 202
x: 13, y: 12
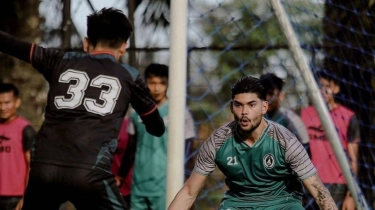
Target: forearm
x: 14, y: 47
x: 320, y: 193
x: 182, y: 201
x: 353, y: 155
x: 154, y: 123
x: 323, y: 198
x: 27, y: 159
x: 186, y: 196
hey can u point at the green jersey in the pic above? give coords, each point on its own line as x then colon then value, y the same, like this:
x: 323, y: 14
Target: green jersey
x: 150, y: 166
x: 269, y: 171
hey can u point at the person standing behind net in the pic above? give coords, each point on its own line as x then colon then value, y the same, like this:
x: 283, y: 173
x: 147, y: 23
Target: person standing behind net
x: 285, y: 117
x: 323, y: 157
x: 150, y: 167
x: 16, y: 137
x: 262, y: 161
x: 89, y: 94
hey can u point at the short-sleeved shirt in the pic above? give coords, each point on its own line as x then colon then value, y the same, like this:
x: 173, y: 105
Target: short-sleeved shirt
x: 292, y: 122
x: 150, y: 166
x: 88, y: 97
x: 272, y: 168
x: 16, y: 138
x: 322, y: 155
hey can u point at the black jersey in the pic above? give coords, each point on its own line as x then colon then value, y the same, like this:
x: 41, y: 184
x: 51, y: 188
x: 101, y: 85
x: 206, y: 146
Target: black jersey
x: 87, y: 100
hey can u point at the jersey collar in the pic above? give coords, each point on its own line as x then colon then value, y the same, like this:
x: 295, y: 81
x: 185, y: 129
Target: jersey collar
x: 104, y: 54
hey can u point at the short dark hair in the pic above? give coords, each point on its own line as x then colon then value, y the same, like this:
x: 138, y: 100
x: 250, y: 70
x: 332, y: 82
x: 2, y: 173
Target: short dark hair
x: 8, y: 87
x: 325, y: 75
x: 249, y: 84
x: 109, y: 27
x: 158, y: 70
x: 271, y: 82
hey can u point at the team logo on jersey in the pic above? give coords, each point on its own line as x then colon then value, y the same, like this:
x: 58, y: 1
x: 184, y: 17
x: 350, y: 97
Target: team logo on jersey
x: 269, y: 161
x: 3, y: 148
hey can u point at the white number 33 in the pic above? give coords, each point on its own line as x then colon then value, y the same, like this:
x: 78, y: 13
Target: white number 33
x: 77, y: 92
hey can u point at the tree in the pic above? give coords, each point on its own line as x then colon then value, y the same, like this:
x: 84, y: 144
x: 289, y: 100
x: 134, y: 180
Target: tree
x: 21, y: 19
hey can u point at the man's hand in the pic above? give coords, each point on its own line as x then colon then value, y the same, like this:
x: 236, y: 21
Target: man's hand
x: 119, y: 180
x: 19, y: 204
x: 348, y: 203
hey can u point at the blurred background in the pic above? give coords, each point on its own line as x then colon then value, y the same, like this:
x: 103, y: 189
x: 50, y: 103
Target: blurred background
x: 227, y: 39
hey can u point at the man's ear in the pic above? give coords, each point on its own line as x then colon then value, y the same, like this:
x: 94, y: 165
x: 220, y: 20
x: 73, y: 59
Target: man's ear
x: 335, y: 88
x: 264, y: 107
x: 18, y: 103
x: 281, y: 95
x: 86, y: 44
x: 231, y: 107
x: 123, y: 48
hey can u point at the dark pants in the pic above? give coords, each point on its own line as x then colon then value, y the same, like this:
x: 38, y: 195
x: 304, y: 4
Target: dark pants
x: 9, y: 202
x: 50, y: 185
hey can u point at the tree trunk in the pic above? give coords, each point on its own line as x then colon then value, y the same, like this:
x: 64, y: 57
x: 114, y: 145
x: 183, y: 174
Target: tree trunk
x: 351, y: 31
x: 132, y: 53
x: 21, y: 19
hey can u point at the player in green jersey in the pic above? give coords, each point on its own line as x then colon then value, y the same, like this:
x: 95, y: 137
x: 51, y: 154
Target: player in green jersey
x: 148, y: 188
x: 264, y: 163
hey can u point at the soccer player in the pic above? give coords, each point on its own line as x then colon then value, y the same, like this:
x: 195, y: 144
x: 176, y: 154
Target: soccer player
x: 16, y: 137
x: 285, y: 117
x: 264, y: 163
x: 322, y: 154
x: 89, y: 94
x: 150, y: 167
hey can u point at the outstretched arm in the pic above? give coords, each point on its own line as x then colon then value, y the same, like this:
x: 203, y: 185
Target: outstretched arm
x: 143, y: 103
x: 186, y: 196
x: 320, y: 193
x: 154, y: 123
x: 14, y: 47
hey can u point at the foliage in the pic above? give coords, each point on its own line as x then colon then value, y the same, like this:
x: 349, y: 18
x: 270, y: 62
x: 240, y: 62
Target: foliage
x: 21, y: 19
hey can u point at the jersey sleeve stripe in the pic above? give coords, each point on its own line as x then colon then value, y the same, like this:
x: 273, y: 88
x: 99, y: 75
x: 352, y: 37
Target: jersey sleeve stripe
x: 31, y: 53
x: 201, y: 172
x: 309, y: 174
x: 149, y: 112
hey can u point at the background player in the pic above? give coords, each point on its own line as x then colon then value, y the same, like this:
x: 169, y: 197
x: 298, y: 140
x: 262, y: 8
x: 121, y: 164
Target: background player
x: 322, y: 154
x: 285, y: 117
x: 88, y: 97
x: 150, y: 168
x: 16, y: 137
x: 260, y: 159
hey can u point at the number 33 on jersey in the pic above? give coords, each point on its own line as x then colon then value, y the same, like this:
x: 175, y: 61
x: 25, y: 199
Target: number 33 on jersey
x: 108, y: 96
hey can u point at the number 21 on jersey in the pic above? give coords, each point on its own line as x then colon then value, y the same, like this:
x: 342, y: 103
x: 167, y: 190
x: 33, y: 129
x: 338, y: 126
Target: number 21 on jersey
x: 77, y: 92
x: 232, y: 161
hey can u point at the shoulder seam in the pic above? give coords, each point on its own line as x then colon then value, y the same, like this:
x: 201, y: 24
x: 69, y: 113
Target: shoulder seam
x: 134, y: 73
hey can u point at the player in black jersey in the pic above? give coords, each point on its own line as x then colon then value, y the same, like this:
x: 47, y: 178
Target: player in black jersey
x: 88, y: 97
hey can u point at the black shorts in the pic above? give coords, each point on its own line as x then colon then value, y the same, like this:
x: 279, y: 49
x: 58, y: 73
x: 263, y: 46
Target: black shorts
x: 9, y: 202
x: 49, y: 186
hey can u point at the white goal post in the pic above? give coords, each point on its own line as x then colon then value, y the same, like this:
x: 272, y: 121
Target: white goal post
x: 177, y: 98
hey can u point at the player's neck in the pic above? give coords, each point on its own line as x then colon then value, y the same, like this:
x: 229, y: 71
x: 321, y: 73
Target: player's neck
x: 161, y: 102
x: 105, y: 50
x: 10, y: 119
x: 271, y: 113
x: 332, y: 105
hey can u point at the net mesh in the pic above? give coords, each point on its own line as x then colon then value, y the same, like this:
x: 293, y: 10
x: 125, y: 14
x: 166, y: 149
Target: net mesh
x: 231, y: 39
